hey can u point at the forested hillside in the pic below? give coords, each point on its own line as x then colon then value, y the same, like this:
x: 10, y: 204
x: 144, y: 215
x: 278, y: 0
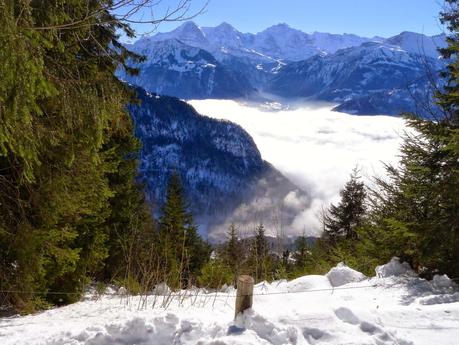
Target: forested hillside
x: 67, y: 150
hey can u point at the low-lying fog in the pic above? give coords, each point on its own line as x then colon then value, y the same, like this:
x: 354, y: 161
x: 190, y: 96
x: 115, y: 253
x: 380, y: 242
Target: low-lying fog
x: 313, y: 146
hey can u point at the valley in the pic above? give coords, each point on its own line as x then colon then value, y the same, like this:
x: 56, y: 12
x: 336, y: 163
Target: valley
x: 315, y: 106
x: 314, y: 147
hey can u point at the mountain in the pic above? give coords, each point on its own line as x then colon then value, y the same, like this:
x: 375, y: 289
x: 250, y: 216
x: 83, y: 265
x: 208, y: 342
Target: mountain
x: 419, y: 44
x: 188, y: 33
x: 331, y: 43
x: 278, y: 42
x: 373, y: 78
x: 221, y: 168
x: 175, y: 68
x: 361, y: 75
x: 283, y: 42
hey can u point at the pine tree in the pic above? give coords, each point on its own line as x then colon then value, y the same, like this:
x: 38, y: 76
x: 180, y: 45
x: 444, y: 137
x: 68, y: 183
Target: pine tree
x: 341, y: 221
x: 233, y: 248
x: 183, y: 250
x: 415, y: 210
x: 260, y: 254
x: 62, y: 125
x: 301, y: 251
x: 233, y: 253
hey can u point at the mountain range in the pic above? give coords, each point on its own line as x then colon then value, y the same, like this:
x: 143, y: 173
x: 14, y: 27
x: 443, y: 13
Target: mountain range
x: 360, y: 75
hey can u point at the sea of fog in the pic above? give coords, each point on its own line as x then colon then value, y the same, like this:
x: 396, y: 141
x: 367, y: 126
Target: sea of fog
x: 313, y: 146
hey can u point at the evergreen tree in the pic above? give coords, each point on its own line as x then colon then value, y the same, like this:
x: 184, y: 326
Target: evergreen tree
x: 415, y: 210
x: 341, y: 221
x: 449, y: 98
x: 233, y: 250
x: 65, y: 141
x: 301, y: 251
x: 260, y: 254
x: 233, y: 253
x: 183, y: 250
x: 198, y: 254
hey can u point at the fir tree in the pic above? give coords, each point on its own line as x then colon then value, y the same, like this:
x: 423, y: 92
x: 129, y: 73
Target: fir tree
x: 233, y: 253
x: 260, y: 253
x: 65, y: 138
x: 341, y: 221
x: 233, y: 250
x: 415, y: 210
x: 301, y: 251
x: 183, y: 250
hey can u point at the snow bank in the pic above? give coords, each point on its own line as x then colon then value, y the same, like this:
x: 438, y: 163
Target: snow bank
x: 440, y: 299
x: 443, y: 282
x: 265, y: 329
x: 312, y: 282
x: 342, y: 274
x: 395, y: 268
x: 264, y: 288
x: 398, y: 308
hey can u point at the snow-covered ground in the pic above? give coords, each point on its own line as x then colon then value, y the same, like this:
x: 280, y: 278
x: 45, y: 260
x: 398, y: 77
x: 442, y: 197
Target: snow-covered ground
x: 342, y: 307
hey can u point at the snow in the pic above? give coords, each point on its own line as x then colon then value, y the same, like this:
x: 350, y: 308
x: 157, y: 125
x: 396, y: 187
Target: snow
x: 342, y: 275
x: 276, y: 42
x: 312, y: 282
x: 284, y: 42
x: 394, y: 268
x: 392, y: 309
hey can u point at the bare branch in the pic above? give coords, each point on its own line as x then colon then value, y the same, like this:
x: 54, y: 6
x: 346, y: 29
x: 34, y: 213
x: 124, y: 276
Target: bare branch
x: 129, y: 14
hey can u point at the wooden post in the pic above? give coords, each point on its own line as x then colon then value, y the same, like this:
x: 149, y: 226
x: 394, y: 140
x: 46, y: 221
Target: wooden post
x: 244, y: 297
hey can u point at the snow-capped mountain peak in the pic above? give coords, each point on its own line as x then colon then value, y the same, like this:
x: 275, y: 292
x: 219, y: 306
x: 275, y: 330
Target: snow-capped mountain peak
x: 223, y: 36
x: 419, y: 44
x: 226, y: 27
x: 280, y: 28
x: 202, y: 62
x: 330, y: 43
x: 188, y: 33
x: 278, y: 42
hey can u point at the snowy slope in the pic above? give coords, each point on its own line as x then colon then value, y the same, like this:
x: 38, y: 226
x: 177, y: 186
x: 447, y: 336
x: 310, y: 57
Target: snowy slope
x: 415, y: 43
x: 387, y: 310
x: 175, y: 68
x: 373, y: 78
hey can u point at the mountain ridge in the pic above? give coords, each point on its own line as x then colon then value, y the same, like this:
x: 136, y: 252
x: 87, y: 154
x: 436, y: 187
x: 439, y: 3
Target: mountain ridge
x: 345, y: 69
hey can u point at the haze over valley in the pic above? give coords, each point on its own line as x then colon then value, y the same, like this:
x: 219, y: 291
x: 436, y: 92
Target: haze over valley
x: 315, y: 147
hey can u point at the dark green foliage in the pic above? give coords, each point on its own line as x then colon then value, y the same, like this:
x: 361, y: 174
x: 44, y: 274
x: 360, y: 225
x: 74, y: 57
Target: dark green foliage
x: 302, y: 251
x: 67, y: 152
x: 182, y: 249
x: 259, y: 259
x: 449, y: 98
x: 342, y: 220
x: 233, y: 252
x: 415, y: 210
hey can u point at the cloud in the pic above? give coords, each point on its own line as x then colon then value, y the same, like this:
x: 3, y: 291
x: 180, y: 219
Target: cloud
x: 314, y: 147
x: 295, y: 201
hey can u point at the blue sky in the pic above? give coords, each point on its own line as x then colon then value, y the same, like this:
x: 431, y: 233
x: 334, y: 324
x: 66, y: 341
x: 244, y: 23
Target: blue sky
x: 362, y: 17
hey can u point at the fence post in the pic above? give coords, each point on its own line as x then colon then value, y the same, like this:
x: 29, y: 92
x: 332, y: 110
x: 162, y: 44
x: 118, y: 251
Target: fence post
x: 244, y: 297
